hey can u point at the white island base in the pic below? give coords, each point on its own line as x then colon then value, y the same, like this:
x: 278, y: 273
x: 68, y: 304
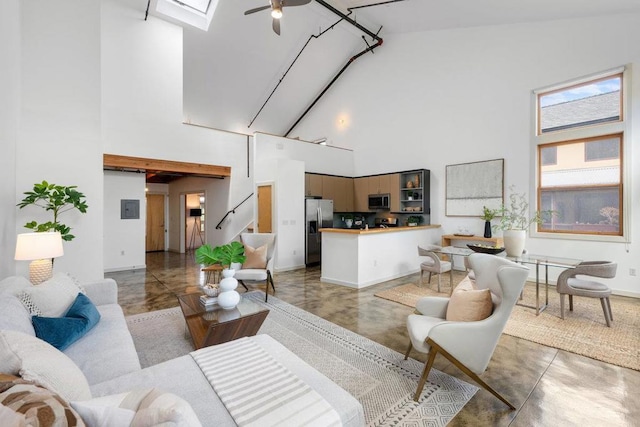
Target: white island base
x: 360, y: 258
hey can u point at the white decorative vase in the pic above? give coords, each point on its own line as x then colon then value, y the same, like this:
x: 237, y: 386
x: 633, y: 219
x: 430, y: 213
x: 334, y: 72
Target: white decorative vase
x: 514, y: 241
x: 348, y: 222
x: 228, y: 298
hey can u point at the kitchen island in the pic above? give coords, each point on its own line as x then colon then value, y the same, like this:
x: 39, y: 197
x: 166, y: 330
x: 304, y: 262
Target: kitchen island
x: 360, y: 258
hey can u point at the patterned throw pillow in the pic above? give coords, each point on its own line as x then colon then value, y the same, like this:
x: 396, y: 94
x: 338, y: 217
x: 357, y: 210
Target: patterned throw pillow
x: 138, y: 408
x: 51, y: 298
x: 24, y: 403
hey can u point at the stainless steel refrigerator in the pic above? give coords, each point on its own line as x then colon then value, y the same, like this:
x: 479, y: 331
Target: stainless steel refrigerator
x: 318, y: 214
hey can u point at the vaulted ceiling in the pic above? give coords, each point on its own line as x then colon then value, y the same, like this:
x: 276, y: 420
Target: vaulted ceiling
x: 231, y: 70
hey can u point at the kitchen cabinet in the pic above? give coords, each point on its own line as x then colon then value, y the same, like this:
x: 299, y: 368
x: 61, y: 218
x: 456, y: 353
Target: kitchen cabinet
x: 342, y: 194
x: 329, y: 188
x: 379, y: 184
x: 415, y: 191
x: 361, y: 194
x: 313, y: 185
x: 394, y: 192
x: 348, y: 191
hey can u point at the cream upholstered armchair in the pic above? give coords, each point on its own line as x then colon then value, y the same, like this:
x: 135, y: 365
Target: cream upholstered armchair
x: 434, y: 265
x: 468, y: 345
x: 261, y: 272
x: 569, y: 284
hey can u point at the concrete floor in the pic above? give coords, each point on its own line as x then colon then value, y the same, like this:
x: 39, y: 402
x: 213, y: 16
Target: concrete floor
x: 549, y: 387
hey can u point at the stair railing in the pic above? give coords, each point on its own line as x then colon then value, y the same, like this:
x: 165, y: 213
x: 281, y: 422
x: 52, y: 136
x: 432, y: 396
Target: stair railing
x: 218, y: 227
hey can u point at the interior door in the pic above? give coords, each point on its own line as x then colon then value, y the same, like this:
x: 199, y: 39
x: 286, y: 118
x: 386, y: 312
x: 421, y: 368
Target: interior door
x: 264, y: 209
x: 155, y: 223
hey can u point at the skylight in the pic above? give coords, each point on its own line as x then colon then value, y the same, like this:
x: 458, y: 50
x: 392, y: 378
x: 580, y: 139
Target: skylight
x: 197, y: 13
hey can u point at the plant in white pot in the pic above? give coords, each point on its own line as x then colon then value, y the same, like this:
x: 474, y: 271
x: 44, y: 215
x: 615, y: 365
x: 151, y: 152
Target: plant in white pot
x: 226, y: 255
x: 515, y: 221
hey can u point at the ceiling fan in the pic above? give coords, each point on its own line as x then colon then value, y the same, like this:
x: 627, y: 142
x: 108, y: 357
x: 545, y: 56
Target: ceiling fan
x: 276, y: 10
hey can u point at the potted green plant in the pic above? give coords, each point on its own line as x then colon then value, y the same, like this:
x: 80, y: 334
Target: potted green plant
x: 228, y: 254
x: 348, y: 219
x: 515, y: 221
x: 55, y: 198
x: 487, y: 216
x: 414, y: 220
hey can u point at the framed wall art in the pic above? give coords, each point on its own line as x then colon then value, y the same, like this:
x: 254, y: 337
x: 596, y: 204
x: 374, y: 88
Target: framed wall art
x: 470, y: 186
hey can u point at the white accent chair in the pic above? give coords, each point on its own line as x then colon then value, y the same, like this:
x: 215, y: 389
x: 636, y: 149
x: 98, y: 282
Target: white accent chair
x: 434, y: 265
x: 468, y: 345
x: 256, y: 240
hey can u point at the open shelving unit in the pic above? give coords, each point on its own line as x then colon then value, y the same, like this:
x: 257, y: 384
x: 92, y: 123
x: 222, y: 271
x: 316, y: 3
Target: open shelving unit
x: 414, y: 192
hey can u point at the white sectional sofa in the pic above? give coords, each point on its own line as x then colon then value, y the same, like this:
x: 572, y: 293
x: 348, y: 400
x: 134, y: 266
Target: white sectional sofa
x: 107, y: 357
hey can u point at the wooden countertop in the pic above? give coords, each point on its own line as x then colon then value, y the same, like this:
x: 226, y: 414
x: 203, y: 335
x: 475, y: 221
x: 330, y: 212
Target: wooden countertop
x: 377, y: 230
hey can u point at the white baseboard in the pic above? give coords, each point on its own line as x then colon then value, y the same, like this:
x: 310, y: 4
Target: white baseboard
x: 283, y: 269
x: 134, y: 267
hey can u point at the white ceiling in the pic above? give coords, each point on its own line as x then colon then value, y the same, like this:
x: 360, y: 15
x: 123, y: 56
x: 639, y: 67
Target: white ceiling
x: 230, y: 70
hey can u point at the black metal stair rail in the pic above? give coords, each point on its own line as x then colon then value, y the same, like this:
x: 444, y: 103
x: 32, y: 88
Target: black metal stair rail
x: 218, y: 227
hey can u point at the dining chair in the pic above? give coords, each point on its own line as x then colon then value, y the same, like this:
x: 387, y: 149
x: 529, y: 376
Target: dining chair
x: 469, y: 345
x: 569, y: 284
x: 434, y: 265
x: 255, y: 274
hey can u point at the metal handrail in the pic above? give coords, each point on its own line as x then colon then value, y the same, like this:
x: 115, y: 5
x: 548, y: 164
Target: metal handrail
x: 232, y: 211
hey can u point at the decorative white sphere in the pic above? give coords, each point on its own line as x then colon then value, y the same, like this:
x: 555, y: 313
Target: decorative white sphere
x: 228, y: 284
x: 228, y: 299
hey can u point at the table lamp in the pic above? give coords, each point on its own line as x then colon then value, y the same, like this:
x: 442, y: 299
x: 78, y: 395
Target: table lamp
x: 40, y: 249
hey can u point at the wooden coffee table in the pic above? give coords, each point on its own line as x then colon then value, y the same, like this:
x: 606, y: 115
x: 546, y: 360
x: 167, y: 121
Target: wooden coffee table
x: 214, y: 325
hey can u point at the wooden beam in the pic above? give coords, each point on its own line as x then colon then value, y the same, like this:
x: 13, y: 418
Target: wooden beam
x: 141, y: 163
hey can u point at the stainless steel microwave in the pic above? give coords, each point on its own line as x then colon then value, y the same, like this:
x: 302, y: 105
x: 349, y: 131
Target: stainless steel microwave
x: 378, y: 201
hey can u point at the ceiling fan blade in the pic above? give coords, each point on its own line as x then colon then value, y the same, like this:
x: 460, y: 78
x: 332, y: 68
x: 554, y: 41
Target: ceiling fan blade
x: 276, y: 26
x: 257, y: 9
x: 295, y: 2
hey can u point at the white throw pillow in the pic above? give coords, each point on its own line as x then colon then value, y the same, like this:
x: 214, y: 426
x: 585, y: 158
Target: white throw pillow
x: 37, y: 361
x: 14, y: 316
x: 14, y: 285
x: 137, y: 408
x: 51, y: 298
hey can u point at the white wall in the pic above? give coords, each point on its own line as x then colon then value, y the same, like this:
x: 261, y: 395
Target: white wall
x: 95, y: 78
x: 124, y: 239
x: 59, y: 124
x: 317, y: 158
x: 283, y: 162
x: 142, y: 112
x: 218, y: 199
x: 9, y: 114
x: 455, y: 96
x: 290, y: 215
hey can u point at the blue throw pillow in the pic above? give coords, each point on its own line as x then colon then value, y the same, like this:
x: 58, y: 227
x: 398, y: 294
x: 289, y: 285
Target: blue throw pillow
x: 61, y: 332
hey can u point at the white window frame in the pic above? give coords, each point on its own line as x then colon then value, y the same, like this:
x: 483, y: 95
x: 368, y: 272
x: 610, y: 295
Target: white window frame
x: 622, y: 127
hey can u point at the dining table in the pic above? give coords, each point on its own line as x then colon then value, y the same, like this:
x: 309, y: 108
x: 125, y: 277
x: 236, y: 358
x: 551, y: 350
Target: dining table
x: 536, y: 260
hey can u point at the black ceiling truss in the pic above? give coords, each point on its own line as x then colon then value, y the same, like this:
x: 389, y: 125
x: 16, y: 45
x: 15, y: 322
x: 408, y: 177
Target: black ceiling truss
x: 342, y: 17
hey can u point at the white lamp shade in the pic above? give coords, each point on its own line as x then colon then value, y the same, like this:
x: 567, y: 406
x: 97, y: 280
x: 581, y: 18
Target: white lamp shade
x: 32, y: 246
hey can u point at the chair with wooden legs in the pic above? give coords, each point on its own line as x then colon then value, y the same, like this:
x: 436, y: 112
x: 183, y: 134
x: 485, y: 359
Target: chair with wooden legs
x: 468, y: 345
x: 434, y: 265
x: 261, y: 273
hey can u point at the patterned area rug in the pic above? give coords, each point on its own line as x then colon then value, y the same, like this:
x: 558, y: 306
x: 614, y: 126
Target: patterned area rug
x: 583, y: 331
x: 375, y: 375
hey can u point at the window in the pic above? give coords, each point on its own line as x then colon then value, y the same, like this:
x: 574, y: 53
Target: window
x: 549, y: 155
x: 580, y: 143
x: 602, y: 150
x: 591, y: 103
